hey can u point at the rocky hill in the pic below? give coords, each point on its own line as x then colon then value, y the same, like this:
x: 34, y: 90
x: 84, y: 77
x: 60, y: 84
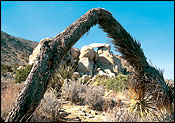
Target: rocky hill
x: 15, y: 50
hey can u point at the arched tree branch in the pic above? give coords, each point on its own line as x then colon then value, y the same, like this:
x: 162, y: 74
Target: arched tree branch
x: 53, y: 50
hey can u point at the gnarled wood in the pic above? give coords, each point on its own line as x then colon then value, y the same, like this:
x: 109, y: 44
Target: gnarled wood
x: 54, y: 49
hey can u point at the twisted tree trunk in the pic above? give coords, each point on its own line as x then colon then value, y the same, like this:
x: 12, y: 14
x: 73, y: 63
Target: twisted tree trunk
x: 53, y: 50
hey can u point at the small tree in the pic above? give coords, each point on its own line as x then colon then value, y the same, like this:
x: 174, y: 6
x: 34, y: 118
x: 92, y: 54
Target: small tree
x: 22, y: 74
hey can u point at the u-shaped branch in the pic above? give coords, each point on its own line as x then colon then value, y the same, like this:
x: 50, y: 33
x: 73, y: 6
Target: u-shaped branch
x: 54, y: 49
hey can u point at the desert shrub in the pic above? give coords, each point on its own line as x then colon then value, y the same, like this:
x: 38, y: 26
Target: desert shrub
x: 100, y: 80
x: 118, y: 83
x: 22, y: 74
x: 14, y: 67
x: 48, y: 109
x: 5, y: 69
x: 57, y: 80
x: 74, y: 92
x: 94, y: 97
x: 55, y: 84
x: 82, y: 94
x: 9, y: 95
x: 8, y: 68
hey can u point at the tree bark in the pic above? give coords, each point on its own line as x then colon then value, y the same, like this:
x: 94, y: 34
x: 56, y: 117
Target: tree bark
x: 53, y: 50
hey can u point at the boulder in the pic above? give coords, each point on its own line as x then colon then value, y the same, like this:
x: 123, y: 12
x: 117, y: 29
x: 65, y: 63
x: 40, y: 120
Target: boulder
x: 87, y: 51
x: 125, y: 64
x: 117, y: 64
x: 100, y: 45
x: 76, y: 75
x: 111, y: 75
x: 102, y: 73
x: 71, y: 55
x: 85, y: 65
x: 34, y: 54
x: 75, y: 53
x: 107, y: 60
x: 108, y: 71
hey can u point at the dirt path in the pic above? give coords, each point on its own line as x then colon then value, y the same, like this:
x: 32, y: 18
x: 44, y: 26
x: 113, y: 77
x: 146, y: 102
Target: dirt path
x: 77, y: 113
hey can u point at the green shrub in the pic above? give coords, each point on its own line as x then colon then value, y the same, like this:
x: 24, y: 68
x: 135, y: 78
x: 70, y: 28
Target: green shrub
x: 14, y: 68
x: 22, y: 74
x: 5, y: 69
x: 100, y: 80
x: 118, y: 83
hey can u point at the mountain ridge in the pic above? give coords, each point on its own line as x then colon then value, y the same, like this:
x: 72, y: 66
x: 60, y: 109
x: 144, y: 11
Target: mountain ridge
x: 15, y: 50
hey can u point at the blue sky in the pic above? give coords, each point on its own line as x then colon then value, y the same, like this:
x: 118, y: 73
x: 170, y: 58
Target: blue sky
x: 150, y: 22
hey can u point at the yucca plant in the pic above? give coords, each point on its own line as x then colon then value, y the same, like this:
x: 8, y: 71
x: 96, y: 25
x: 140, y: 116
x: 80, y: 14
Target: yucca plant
x: 65, y: 72
x: 57, y: 81
x: 140, y: 104
x: 85, y: 80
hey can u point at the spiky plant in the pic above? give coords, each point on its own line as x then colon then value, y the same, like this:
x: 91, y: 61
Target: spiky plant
x: 85, y: 80
x: 146, y: 101
x: 65, y: 72
x: 57, y: 81
x: 139, y: 104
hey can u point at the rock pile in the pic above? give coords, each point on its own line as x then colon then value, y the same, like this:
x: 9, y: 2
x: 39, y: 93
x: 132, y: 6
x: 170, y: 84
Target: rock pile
x: 89, y: 61
x: 102, y: 61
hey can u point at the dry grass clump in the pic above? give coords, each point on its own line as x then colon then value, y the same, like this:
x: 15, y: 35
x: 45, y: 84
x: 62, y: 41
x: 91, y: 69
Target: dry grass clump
x: 74, y: 92
x: 94, y: 97
x: 48, y: 109
x: 85, y: 80
x: 9, y: 95
x: 82, y: 94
